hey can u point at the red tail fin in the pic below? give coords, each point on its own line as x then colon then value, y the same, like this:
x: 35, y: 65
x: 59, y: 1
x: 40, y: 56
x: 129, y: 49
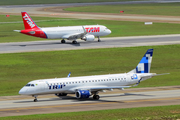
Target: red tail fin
x: 28, y: 22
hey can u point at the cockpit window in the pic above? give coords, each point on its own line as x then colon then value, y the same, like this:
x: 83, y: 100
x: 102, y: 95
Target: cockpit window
x: 28, y: 85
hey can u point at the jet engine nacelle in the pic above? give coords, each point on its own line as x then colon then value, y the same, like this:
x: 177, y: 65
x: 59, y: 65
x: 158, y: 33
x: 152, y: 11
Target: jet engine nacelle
x: 88, y: 38
x: 82, y: 94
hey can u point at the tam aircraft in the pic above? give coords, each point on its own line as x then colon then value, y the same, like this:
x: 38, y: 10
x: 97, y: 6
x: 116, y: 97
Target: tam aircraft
x: 86, y: 86
x: 86, y: 32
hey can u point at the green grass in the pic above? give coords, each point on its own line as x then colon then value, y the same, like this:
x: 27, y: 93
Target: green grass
x: 118, y: 28
x: 143, y: 113
x: 168, y: 9
x: 27, y: 2
x: 19, y: 68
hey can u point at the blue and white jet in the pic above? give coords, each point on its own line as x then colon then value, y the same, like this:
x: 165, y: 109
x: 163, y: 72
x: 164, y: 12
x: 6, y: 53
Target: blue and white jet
x: 86, y: 86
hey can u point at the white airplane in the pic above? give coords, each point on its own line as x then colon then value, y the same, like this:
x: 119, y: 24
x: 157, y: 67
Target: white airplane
x: 86, y: 32
x: 85, y: 86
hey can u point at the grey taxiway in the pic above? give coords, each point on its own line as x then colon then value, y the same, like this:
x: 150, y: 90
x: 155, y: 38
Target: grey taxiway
x: 53, y: 104
x: 51, y: 45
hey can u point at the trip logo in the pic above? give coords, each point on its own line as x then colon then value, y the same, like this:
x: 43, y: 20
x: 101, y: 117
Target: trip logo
x: 56, y: 86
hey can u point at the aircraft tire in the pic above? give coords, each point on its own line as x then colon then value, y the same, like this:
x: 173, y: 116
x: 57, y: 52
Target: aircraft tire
x: 63, y: 41
x: 35, y: 100
x: 96, y: 97
x: 74, y: 42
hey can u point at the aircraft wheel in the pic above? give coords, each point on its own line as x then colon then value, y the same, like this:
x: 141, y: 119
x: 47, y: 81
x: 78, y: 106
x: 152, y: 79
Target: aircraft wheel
x: 63, y: 41
x: 96, y: 97
x: 61, y: 94
x: 99, y: 40
x: 74, y: 42
x: 35, y: 100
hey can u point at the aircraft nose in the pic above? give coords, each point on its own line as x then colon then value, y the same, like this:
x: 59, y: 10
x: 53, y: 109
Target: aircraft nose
x: 109, y: 31
x: 22, y: 91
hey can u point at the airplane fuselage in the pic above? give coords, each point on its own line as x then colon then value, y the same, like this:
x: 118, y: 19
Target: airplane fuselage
x: 70, y: 85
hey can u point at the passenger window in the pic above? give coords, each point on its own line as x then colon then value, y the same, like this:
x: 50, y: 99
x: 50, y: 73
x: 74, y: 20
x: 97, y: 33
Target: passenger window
x: 95, y: 80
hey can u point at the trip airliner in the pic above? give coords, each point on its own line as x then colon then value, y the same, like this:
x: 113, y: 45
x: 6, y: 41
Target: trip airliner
x: 86, y: 86
x: 84, y: 32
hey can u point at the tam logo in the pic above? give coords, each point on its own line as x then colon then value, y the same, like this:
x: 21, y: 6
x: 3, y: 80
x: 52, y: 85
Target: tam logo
x: 92, y: 29
x: 28, y: 20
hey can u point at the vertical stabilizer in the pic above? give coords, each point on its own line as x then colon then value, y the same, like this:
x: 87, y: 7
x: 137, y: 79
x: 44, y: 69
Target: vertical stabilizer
x: 145, y: 63
x: 28, y: 22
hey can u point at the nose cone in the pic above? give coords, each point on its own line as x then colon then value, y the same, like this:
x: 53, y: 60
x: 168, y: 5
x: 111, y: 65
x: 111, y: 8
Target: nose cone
x: 109, y: 31
x: 22, y: 91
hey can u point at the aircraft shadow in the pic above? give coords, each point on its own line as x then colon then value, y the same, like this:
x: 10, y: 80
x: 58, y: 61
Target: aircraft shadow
x: 74, y: 99
x: 24, y: 45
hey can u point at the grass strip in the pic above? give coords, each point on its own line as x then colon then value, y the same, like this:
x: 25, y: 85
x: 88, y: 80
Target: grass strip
x: 118, y: 28
x: 143, y: 113
x: 19, y: 68
x: 167, y: 9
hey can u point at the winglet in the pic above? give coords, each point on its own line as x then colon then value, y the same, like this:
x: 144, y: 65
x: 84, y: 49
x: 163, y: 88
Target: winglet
x: 69, y: 74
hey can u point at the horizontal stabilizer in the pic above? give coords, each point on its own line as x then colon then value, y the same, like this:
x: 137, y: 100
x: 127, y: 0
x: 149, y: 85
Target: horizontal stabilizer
x: 17, y: 30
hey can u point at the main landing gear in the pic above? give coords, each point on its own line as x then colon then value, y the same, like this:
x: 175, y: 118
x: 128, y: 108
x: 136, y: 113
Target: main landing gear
x: 96, y: 96
x: 63, y: 41
x: 98, y: 39
x: 61, y: 94
x: 74, y: 42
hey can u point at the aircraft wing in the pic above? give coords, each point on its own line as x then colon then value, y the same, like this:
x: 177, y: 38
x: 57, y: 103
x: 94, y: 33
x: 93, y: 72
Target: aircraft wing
x: 73, y: 36
x: 99, y: 88
x: 108, y: 88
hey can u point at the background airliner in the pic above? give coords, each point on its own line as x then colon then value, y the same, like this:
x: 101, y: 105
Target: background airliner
x: 86, y: 32
x: 85, y: 86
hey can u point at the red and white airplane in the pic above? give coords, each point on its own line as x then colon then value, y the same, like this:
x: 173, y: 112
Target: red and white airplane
x: 85, y: 32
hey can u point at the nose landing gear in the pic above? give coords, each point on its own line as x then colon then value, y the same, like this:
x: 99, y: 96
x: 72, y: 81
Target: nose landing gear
x: 35, y: 99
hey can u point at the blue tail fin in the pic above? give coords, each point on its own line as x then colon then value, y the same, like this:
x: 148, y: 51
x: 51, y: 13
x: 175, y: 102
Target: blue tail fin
x: 145, y: 63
